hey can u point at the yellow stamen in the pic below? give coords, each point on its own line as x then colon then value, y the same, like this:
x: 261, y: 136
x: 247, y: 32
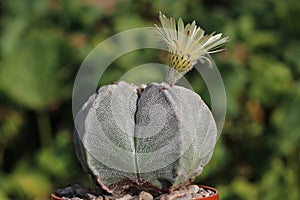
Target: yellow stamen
x: 187, y: 44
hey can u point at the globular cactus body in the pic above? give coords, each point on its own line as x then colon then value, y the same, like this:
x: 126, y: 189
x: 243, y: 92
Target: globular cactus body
x: 159, y: 136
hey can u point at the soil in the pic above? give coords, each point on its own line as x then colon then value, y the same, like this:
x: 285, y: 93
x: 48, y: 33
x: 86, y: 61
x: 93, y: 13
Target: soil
x: 77, y: 192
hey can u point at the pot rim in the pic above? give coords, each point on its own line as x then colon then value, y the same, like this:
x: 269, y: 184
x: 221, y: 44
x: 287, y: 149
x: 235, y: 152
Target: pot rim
x: 53, y: 195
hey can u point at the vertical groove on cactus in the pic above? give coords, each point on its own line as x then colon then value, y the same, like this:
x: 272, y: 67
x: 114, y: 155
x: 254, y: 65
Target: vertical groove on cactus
x: 158, y: 135
x: 138, y: 176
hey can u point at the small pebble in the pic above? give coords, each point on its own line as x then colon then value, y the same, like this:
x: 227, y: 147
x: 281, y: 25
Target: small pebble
x: 145, y: 196
x: 197, y: 196
x: 126, y: 197
x: 204, y: 193
x: 182, y: 189
x: 210, y: 192
x: 174, y: 195
x: 163, y: 197
x: 187, y: 197
x: 65, y: 192
x: 193, y: 189
x: 91, y: 197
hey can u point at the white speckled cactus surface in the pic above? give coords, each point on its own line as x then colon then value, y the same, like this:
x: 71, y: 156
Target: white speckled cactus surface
x: 158, y: 136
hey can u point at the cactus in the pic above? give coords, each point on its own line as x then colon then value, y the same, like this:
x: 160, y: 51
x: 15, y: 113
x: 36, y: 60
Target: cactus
x: 155, y: 137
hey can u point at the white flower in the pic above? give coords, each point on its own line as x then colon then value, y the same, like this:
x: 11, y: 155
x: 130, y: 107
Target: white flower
x: 186, y: 44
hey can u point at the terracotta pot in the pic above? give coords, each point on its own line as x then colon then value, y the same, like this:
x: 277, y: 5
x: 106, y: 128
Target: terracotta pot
x: 213, y: 197
x: 53, y: 195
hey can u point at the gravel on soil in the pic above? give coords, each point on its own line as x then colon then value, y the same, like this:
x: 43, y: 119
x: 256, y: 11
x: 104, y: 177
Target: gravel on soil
x: 77, y: 192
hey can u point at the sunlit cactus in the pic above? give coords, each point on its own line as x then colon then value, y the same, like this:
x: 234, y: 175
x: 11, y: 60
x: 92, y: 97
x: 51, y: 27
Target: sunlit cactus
x: 156, y: 137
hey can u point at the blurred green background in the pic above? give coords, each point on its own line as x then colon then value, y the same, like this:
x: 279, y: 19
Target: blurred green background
x: 43, y: 43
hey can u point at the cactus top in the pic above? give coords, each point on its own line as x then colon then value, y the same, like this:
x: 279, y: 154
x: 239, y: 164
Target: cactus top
x: 187, y: 45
